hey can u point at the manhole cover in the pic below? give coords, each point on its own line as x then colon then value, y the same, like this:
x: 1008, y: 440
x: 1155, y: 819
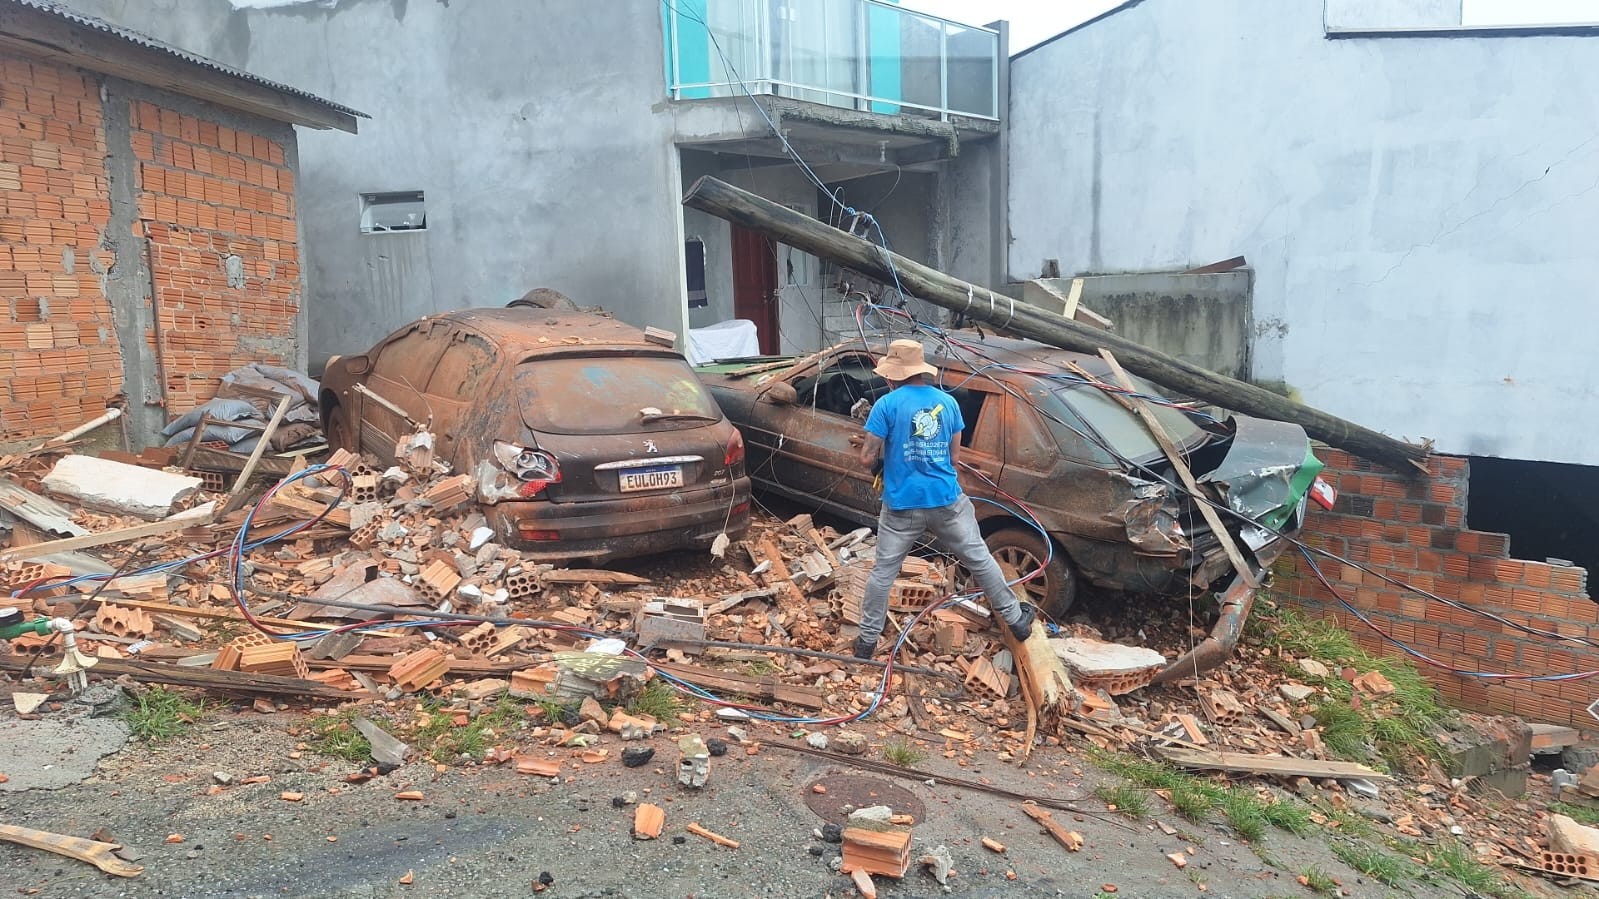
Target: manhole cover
x: 848, y: 792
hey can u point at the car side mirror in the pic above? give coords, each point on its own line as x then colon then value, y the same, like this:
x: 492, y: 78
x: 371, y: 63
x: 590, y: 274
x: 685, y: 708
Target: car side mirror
x: 356, y: 365
x: 781, y: 393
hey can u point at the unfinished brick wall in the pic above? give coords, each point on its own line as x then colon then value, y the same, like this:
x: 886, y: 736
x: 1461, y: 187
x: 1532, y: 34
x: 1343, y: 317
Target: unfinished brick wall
x: 59, y: 359
x: 1413, y: 529
x: 218, y: 203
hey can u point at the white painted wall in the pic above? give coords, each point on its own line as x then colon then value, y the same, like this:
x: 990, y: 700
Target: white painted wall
x: 1420, y: 212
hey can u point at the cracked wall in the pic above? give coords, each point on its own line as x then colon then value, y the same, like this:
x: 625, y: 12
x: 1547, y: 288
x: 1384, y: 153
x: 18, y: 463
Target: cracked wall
x: 1417, y: 211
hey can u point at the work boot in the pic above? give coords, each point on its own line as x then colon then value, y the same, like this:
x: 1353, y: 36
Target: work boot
x: 864, y: 648
x: 1022, y: 627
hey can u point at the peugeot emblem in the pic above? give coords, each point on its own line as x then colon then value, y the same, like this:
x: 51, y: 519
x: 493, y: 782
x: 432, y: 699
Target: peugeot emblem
x: 650, y: 447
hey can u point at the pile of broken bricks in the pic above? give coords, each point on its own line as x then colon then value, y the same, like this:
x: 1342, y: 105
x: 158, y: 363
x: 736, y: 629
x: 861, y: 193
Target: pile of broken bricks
x: 784, y: 602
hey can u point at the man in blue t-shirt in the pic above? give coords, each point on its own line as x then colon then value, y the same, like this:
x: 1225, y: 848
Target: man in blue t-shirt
x: 916, y: 431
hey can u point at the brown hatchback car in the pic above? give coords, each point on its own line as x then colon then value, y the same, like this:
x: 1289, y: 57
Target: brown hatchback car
x: 587, y: 440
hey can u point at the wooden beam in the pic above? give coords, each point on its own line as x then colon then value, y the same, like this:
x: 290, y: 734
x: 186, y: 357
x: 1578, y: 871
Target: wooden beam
x: 208, y: 614
x: 70, y: 544
x: 40, y: 33
x: 1141, y: 409
x: 202, y: 678
x: 1275, y: 766
x: 1001, y: 312
x: 236, y: 495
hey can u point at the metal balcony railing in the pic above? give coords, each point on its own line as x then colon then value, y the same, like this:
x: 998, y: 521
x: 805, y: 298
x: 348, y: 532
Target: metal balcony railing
x: 857, y: 54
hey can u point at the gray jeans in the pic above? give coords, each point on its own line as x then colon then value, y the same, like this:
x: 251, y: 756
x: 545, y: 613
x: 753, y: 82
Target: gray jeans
x: 955, y: 526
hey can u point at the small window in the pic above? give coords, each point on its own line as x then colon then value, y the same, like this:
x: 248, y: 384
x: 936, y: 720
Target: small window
x: 397, y: 211
x: 459, y: 372
x: 694, y: 265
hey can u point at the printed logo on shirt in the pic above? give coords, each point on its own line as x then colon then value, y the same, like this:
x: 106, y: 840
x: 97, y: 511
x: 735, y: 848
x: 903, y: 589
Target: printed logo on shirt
x: 924, y: 424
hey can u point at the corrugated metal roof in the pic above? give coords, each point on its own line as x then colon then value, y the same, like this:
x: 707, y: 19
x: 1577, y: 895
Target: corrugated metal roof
x: 144, y: 40
x: 40, y: 511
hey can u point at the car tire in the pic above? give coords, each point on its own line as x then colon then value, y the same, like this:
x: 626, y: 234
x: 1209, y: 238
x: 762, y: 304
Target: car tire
x: 1022, y: 551
x: 338, y: 432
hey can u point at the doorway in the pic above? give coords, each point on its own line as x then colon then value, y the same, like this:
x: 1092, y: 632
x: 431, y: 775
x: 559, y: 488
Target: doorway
x: 755, y: 285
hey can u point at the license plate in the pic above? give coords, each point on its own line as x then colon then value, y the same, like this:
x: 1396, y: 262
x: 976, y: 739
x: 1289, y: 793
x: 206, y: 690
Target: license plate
x: 656, y: 478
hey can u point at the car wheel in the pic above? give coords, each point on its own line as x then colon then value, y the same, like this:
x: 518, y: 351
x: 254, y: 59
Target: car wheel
x: 338, y: 432
x: 1019, y: 552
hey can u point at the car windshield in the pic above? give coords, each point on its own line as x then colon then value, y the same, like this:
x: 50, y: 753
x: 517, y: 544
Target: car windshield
x: 612, y: 395
x: 1125, y: 433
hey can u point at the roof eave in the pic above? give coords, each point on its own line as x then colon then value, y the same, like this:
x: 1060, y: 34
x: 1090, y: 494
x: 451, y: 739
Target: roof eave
x: 37, y: 32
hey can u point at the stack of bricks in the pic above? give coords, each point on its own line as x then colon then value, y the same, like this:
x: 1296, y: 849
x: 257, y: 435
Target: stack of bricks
x: 885, y: 851
x: 60, y: 362
x: 218, y: 204
x: 1412, y: 529
x: 281, y: 659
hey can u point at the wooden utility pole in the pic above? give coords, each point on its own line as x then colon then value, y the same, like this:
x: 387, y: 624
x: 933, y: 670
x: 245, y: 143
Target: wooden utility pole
x: 1004, y: 313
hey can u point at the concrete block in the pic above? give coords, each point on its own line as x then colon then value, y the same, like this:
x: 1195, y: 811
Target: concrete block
x: 119, y: 488
x: 1112, y: 667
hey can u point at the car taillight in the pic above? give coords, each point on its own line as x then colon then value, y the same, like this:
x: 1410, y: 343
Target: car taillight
x: 735, y: 450
x: 1324, y: 494
x: 536, y: 469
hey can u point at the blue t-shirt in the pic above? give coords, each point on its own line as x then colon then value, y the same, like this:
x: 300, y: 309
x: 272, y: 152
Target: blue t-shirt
x: 917, y: 422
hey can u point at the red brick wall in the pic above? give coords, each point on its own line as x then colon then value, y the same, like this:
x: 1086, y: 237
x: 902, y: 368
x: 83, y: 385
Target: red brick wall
x: 59, y: 359
x: 206, y: 192
x: 1413, y: 530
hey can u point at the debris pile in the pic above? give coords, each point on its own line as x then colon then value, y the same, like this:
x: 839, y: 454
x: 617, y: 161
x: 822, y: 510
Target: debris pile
x: 360, y: 586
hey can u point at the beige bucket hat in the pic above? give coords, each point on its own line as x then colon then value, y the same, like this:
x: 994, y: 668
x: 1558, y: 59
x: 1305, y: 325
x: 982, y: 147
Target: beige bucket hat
x: 903, y: 361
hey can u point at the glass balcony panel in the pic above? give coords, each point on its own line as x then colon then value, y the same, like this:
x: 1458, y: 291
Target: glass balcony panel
x: 857, y: 54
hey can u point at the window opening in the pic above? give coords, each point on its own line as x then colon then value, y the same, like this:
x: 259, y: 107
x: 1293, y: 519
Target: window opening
x: 394, y: 211
x: 1549, y: 509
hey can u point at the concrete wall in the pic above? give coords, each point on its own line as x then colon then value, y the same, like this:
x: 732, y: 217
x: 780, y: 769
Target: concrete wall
x: 1202, y: 319
x: 543, y: 158
x: 1417, y: 211
x: 542, y: 138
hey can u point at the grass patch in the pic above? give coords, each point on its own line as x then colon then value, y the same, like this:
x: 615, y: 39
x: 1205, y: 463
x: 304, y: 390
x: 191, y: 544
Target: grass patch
x: 159, y: 714
x: 1245, y: 813
x: 1397, y: 727
x: 335, y: 736
x: 902, y: 753
x: 1193, y: 803
x: 1196, y: 797
x: 1578, y: 813
x: 1318, y: 881
x: 1386, y: 867
x: 659, y: 701
x: 1125, y: 798
x: 440, y: 740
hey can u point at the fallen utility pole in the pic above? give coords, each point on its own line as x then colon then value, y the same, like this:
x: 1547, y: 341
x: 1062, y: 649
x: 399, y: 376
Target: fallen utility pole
x: 1004, y: 313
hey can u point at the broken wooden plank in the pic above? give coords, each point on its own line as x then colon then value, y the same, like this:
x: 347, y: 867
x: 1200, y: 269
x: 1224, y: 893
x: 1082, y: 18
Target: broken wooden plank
x: 211, y: 614
x: 591, y: 576
x: 1071, y: 840
x: 236, y: 496
x: 1270, y: 765
x: 766, y: 688
x: 121, y: 535
x: 101, y: 855
x: 202, y: 678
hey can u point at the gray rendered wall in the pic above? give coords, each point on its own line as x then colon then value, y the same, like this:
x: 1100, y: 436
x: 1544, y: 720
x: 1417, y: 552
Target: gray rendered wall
x: 1419, y: 212
x: 542, y: 149
x: 1202, y: 319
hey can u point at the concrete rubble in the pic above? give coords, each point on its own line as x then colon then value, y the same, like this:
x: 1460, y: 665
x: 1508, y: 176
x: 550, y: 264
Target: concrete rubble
x: 771, y: 622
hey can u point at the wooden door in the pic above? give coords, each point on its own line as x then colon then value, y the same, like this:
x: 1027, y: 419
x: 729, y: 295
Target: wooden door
x: 755, y: 285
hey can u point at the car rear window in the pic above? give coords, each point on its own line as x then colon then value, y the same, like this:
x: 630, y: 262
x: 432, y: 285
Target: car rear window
x: 1121, y: 428
x: 612, y: 395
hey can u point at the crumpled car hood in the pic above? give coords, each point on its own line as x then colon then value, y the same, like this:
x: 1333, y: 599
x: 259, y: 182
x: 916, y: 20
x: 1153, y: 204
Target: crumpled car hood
x: 1267, y: 470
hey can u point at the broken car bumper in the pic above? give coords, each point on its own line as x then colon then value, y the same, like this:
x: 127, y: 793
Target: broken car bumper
x: 614, y: 528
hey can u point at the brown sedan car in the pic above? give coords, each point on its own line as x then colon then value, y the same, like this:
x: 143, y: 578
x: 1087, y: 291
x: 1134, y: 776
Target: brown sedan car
x: 1035, y: 432
x: 587, y: 440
